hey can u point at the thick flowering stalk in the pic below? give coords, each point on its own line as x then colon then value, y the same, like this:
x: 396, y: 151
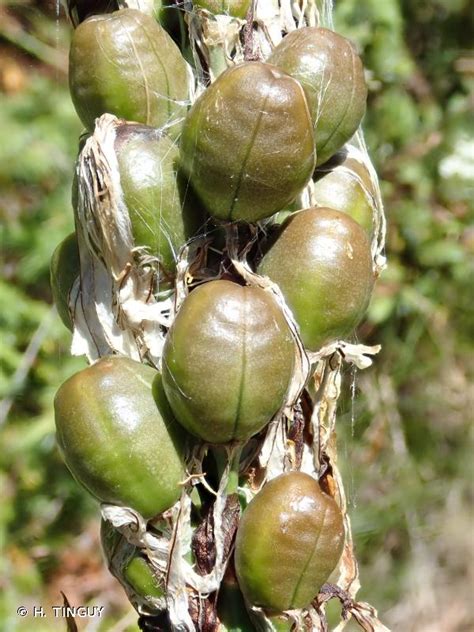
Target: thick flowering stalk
x: 227, y: 194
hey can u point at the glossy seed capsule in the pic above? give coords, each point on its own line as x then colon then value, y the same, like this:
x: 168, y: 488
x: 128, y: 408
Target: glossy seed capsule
x: 125, y: 63
x: 247, y: 143
x: 344, y: 184
x: 332, y: 75
x: 227, y: 361
x: 118, y: 436
x: 322, y: 262
x: 162, y: 210
x: 289, y: 541
x: 64, y: 270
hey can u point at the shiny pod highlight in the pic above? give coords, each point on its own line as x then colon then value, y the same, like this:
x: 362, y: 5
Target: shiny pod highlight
x: 289, y: 541
x: 322, y: 262
x: 228, y: 361
x: 118, y: 436
x: 344, y: 184
x: 125, y: 63
x: 332, y: 75
x: 247, y: 144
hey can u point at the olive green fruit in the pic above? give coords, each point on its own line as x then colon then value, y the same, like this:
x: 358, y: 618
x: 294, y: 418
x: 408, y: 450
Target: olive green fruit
x: 346, y: 186
x: 64, y: 270
x: 322, y: 262
x: 125, y: 63
x: 332, y: 75
x: 139, y: 575
x: 128, y: 565
x: 118, y: 436
x: 162, y: 210
x: 247, y: 143
x: 289, y: 541
x: 166, y: 12
x: 234, y: 8
x: 227, y: 361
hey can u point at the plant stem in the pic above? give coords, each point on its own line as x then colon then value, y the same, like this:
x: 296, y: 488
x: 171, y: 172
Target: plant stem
x: 234, y: 454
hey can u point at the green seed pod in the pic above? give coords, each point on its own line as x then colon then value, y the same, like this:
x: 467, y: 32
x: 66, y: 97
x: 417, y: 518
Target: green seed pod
x: 247, y: 143
x: 332, y: 75
x: 234, y: 8
x: 227, y: 361
x: 118, y: 436
x: 130, y: 568
x: 126, y: 64
x: 168, y: 13
x: 322, y: 262
x: 289, y: 541
x: 162, y: 211
x: 346, y: 186
x: 64, y: 270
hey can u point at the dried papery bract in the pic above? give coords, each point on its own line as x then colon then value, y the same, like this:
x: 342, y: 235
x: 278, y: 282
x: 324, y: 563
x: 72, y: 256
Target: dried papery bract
x: 117, y: 306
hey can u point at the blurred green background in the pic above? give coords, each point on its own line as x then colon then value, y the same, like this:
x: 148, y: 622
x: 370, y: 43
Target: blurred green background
x: 405, y: 439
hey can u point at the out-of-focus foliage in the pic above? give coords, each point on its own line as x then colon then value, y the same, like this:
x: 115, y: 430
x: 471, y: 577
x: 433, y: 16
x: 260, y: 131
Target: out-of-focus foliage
x: 405, y: 440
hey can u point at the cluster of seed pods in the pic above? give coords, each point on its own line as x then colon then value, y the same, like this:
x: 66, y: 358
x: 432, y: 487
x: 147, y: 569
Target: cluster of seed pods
x: 223, y: 252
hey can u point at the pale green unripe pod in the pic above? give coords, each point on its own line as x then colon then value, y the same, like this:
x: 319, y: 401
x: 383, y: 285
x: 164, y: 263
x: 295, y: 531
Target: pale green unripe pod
x: 344, y: 184
x: 127, y: 563
x: 289, y: 541
x: 322, y: 262
x: 331, y: 73
x: 118, y: 436
x: 125, y: 63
